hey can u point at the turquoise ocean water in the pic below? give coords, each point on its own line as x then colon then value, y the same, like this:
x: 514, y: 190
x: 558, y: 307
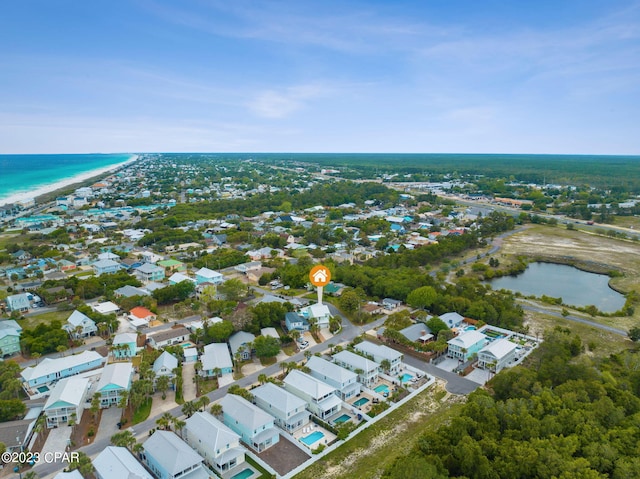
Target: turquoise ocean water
x: 24, y: 173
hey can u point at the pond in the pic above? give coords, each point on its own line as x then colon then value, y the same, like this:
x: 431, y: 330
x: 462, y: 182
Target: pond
x: 574, y: 286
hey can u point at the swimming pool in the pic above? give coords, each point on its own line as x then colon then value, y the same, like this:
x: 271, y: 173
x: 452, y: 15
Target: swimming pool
x: 361, y: 402
x: 383, y: 388
x: 315, y: 436
x: 191, y: 345
x: 43, y: 389
x: 243, y: 474
x: 470, y: 328
x: 341, y: 419
x: 405, y: 378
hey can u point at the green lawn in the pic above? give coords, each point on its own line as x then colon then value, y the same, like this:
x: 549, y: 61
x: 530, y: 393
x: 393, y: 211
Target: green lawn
x: 142, y: 413
x: 207, y: 385
x: 32, y: 321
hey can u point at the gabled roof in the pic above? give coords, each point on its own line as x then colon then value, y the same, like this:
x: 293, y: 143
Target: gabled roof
x: 75, y: 474
x: 240, y: 338
x: 165, y: 360
x: 125, y: 338
x: 106, y: 263
x: 68, y: 392
x: 116, y: 374
x: 148, y: 268
x: 49, y: 366
x: 318, y: 310
x: 498, y: 348
x: 127, y: 291
x: 247, y: 414
x: 378, y: 350
x: 308, y: 384
x: 468, y: 339
x: 356, y: 361
x: 208, y: 273
x: 77, y: 318
x: 218, y: 436
x: 216, y: 355
x: 280, y: 398
x: 171, y: 452
x: 179, y: 278
x: 118, y: 463
x: 415, y: 331
x: 295, y: 318
x: 169, y: 334
x: 331, y: 370
x: 451, y: 319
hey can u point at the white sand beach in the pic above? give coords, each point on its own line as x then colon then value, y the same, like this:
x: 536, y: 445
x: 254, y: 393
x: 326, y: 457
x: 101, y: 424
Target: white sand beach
x: 31, y: 194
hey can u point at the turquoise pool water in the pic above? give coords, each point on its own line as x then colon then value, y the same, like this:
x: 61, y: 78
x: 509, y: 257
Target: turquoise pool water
x: 405, y: 378
x: 311, y: 438
x: 361, y: 402
x: 341, y: 419
x: 470, y: 328
x: 383, y: 388
x: 43, y: 389
x: 243, y: 474
x: 191, y: 345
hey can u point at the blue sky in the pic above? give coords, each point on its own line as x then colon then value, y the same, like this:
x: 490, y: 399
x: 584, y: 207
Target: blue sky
x: 320, y: 76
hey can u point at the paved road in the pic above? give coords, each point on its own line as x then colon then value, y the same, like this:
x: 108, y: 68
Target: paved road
x: 577, y: 319
x: 455, y: 384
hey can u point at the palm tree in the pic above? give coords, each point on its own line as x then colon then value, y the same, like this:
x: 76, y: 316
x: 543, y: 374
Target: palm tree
x: 137, y: 448
x: 165, y: 421
x: 203, y: 402
x: 295, y: 334
x: 61, y: 349
x: 36, y: 356
x: 189, y: 408
x: 103, y: 328
x: 216, y: 409
x: 95, y: 405
x: 178, y: 425
x: 162, y: 384
x: 385, y: 364
x: 262, y: 378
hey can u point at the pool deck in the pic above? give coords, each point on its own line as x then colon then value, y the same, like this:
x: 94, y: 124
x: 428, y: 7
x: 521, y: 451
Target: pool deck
x: 328, y: 436
x: 239, y: 468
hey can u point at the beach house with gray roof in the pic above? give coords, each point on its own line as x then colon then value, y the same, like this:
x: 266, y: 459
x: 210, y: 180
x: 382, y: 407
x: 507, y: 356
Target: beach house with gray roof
x: 216, y: 443
x: 321, y: 398
x: 66, y: 401
x: 165, y: 365
x: 497, y: 355
x: 216, y: 360
x: 345, y: 381
x: 366, y: 369
x: 169, y: 457
x: 255, y: 426
x: 241, y: 342
x: 79, y: 325
x: 289, y: 410
x: 379, y: 353
x: 118, y: 463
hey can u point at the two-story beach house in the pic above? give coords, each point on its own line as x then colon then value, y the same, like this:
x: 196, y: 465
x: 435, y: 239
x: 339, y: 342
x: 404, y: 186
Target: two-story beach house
x: 240, y: 343
x: 118, y: 463
x: 115, y: 379
x: 106, y: 266
x: 255, y: 427
x: 321, y: 398
x: 67, y: 401
x: 380, y: 353
x: 465, y: 345
x: 18, y: 302
x: 216, y: 360
x: 124, y: 345
x: 366, y: 369
x: 206, y: 275
x: 10, y: 332
x: 345, y: 381
x: 216, y: 443
x: 318, y: 312
x: 289, y: 410
x: 295, y: 321
x: 169, y: 457
x: 38, y: 379
x: 165, y: 365
x: 497, y: 355
x: 148, y: 273
x: 79, y: 325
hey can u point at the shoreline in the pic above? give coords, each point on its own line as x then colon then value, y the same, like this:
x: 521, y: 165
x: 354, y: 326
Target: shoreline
x: 46, y: 190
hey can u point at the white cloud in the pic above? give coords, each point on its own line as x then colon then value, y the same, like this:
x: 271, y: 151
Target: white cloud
x: 281, y: 104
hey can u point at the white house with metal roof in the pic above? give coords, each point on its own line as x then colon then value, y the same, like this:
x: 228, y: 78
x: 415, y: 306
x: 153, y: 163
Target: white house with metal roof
x: 216, y: 443
x: 497, y: 355
x: 115, y: 379
x: 289, y: 410
x: 165, y: 365
x: 319, y: 312
x: 206, y: 275
x: 79, y: 325
x: 48, y: 371
x: 379, y: 353
x: 216, y: 360
x: 18, y: 302
x: 255, y: 427
x: 366, y: 369
x: 75, y: 474
x: 118, y: 463
x: 465, y: 345
x: 169, y: 457
x: 66, y: 401
x: 345, y: 381
x: 10, y: 332
x: 321, y: 398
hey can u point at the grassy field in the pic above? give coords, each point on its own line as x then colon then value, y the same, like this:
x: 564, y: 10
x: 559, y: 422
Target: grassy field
x: 142, y: 413
x: 371, y: 451
x: 32, y: 321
